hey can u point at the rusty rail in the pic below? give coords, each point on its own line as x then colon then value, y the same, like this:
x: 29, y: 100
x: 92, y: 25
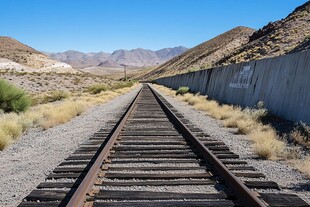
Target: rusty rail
x: 248, y: 197
x: 243, y: 192
x: 79, y: 196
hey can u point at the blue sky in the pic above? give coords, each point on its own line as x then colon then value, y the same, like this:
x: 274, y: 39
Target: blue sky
x: 107, y: 25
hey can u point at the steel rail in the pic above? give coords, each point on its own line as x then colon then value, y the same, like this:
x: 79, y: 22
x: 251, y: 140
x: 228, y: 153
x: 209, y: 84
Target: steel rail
x: 79, y: 196
x: 242, y: 191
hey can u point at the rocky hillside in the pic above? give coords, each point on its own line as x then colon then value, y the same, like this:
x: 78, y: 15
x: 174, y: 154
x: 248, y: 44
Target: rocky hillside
x: 15, y: 55
x: 291, y: 34
x: 287, y: 35
x: 204, y: 55
x: 136, y: 58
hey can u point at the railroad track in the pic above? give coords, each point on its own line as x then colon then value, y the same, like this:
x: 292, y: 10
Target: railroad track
x: 154, y: 157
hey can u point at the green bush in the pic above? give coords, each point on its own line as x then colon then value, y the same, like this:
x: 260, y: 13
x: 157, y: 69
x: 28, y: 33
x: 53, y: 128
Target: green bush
x: 12, y: 98
x: 97, y: 88
x: 182, y: 90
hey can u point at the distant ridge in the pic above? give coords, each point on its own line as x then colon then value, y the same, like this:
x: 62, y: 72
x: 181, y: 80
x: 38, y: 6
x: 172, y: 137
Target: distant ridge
x: 135, y: 58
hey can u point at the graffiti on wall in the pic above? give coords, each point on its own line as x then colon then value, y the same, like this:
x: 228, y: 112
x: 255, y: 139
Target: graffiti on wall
x: 242, y: 79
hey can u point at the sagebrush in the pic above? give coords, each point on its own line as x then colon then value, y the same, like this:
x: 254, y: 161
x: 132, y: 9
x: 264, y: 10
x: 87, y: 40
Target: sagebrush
x: 12, y: 98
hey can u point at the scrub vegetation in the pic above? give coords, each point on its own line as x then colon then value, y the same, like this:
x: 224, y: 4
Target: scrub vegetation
x: 266, y: 143
x: 51, y: 109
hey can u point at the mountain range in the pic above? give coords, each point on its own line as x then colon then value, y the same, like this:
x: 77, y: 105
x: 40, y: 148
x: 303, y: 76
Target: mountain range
x: 132, y: 58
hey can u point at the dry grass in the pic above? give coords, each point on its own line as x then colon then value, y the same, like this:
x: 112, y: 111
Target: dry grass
x: 61, y: 113
x: 303, y: 165
x: 10, y: 125
x: 55, y: 114
x: 265, y: 141
x: 301, y: 135
x: 267, y: 145
x: 48, y: 115
x: 5, y: 139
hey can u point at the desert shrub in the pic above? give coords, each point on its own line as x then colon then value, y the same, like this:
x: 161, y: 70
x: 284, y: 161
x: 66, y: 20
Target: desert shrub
x: 51, y: 96
x: 258, y: 113
x: 97, y: 88
x: 182, y: 90
x: 13, y: 98
x: 303, y: 165
x: 301, y: 134
x: 4, y: 139
x: 123, y: 84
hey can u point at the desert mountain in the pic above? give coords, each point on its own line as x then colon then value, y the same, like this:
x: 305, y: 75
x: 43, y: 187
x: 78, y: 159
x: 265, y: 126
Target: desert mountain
x: 135, y: 58
x: 287, y: 35
x: 204, y: 55
x: 15, y: 55
x: 240, y: 44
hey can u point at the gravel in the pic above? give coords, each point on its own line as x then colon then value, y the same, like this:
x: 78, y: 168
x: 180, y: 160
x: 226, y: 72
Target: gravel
x: 27, y: 162
x: 277, y: 171
x: 176, y: 189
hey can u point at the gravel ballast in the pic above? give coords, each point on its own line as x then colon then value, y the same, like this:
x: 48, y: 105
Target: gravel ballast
x: 27, y: 162
x: 290, y: 180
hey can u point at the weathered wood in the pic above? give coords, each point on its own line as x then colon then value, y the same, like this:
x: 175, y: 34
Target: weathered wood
x: 159, y: 155
x: 82, y: 157
x: 212, y: 143
x: 142, y: 129
x: 150, y: 133
x: 39, y: 204
x: 150, y: 195
x: 211, y: 203
x: 83, y: 162
x: 187, y: 151
x: 249, y: 174
x: 218, y: 148
x: 85, y: 152
x: 157, y: 168
x: 227, y: 156
x: 47, y: 195
x: 155, y: 176
x: 283, y: 200
x: 161, y: 183
x: 65, y: 175
x: 58, y: 185
x: 223, y: 152
x: 155, y: 161
x: 241, y: 168
x: 151, y: 138
x: 233, y: 162
x: 153, y: 143
x: 262, y: 184
x: 70, y: 169
x: 120, y: 148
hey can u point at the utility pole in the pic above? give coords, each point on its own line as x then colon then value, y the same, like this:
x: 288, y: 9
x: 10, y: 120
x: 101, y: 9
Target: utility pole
x: 125, y: 75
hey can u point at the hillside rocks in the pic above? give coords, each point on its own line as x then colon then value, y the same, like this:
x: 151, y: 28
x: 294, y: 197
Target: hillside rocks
x: 243, y: 44
x: 17, y: 56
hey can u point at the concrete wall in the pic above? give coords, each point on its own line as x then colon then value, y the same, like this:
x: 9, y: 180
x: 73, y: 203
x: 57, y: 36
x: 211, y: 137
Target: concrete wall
x: 282, y: 83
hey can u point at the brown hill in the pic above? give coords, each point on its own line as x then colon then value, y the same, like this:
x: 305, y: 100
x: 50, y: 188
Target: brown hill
x: 241, y: 44
x: 287, y: 35
x: 203, y: 55
x: 17, y: 56
x: 16, y: 51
